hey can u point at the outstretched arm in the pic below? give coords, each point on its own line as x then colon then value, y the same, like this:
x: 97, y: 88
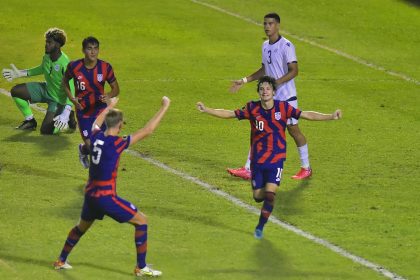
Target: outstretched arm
x: 237, y: 84
x: 220, y: 113
x: 152, y: 123
x: 101, y: 118
x: 315, y: 116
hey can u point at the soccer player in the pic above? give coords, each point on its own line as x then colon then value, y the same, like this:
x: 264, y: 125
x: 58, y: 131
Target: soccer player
x: 89, y: 75
x: 100, y: 191
x: 268, y: 119
x: 54, y: 63
x: 278, y: 61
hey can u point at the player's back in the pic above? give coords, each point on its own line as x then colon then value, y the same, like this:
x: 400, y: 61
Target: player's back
x: 105, y: 157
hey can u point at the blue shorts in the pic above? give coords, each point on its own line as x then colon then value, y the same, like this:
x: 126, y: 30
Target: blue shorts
x: 95, y: 208
x: 85, y: 126
x: 261, y: 174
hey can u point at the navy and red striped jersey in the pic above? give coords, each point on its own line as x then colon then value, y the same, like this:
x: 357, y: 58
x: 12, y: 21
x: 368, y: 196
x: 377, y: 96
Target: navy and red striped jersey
x: 268, y: 138
x: 89, y: 85
x: 105, y: 155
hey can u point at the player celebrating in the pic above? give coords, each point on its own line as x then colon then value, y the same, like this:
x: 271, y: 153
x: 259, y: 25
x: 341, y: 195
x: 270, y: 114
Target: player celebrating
x: 100, y: 191
x: 89, y: 75
x: 53, y: 66
x: 268, y: 119
x: 278, y: 61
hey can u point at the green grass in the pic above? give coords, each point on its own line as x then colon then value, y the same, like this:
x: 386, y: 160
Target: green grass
x: 364, y: 193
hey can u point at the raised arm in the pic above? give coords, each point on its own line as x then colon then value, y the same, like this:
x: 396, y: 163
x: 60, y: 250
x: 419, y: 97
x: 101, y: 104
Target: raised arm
x: 152, y: 124
x: 315, y: 116
x: 237, y: 84
x: 101, y: 118
x: 220, y: 113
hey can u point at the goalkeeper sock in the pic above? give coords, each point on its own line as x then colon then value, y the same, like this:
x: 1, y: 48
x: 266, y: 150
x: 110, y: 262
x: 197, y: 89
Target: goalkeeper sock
x: 23, y: 106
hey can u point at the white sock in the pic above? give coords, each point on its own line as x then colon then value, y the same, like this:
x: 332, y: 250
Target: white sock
x: 304, y: 156
x: 248, y: 161
x: 28, y: 118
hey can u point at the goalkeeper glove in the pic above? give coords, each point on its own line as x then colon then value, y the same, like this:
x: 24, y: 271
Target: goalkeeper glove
x: 14, y: 73
x: 61, y: 121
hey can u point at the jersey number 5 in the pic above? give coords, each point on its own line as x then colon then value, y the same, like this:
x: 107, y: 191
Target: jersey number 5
x: 98, y: 150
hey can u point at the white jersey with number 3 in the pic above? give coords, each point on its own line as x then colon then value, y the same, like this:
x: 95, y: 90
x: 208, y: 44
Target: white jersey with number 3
x: 275, y: 58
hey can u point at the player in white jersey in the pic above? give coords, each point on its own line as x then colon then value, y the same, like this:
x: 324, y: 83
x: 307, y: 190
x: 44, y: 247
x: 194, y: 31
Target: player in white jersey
x: 278, y: 61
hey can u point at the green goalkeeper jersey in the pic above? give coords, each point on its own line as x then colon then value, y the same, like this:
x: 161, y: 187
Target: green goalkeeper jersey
x: 53, y: 73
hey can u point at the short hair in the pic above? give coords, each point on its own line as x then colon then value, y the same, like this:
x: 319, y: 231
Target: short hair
x: 57, y: 35
x: 273, y: 15
x: 267, y: 79
x: 113, y: 118
x: 90, y: 40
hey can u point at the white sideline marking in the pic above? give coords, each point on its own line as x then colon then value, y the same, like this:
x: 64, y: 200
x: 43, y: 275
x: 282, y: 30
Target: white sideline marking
x: 256, y: 211
x: 273, y: 219
x: 313, y: 43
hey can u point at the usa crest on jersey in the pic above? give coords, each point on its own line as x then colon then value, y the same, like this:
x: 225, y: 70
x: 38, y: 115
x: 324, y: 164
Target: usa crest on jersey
x: 99, y: 77
x: 277, y: 116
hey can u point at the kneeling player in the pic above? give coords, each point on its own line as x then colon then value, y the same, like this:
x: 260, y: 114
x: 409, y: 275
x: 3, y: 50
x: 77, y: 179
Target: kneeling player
x: 268, y: 119
x: 100, y: 191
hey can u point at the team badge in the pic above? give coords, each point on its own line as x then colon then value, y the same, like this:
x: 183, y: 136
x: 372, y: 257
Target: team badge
x: 277, y: 115
x: 99, y: 77
x: 57, y: 67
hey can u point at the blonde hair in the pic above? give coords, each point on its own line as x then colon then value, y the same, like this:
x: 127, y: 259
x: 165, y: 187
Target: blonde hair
x: 113, y: 118
x: 57, y: 35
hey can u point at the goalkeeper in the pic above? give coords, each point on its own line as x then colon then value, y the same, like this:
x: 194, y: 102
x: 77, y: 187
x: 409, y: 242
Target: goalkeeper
x: 59, y: 114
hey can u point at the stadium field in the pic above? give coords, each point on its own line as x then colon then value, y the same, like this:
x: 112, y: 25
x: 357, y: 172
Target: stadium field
x: 359, y: 56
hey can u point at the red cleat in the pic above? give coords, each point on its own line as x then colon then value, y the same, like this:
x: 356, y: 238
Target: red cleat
x: 304, y: 173
x: 240, y: 172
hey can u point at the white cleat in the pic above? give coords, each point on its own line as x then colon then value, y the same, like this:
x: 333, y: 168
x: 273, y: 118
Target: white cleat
x: 147, y: 271
x: 62, y: 265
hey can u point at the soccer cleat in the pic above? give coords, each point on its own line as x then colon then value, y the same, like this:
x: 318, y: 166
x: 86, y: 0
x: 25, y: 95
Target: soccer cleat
x: 28, y: 125
x: 240, y: 172
x: 147, y: 271
x: 84, y: 159
x: 72, y: 121
x: 258, y: 234
x: 62, y: 265
x: 304, y: 173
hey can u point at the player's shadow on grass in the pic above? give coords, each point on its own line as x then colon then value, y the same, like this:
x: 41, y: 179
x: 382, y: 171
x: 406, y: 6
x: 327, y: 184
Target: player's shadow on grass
x: 48, y: 264
x: 72, y: 209
x: 199, y: 219
x: 49, y: 144
x: 288, y: 202
x: 415, y: 3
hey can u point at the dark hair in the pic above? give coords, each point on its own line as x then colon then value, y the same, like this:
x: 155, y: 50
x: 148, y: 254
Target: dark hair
x: 57, y: 35
x: 267, y: 79
x: 90, y: 40
x: 273, y: 15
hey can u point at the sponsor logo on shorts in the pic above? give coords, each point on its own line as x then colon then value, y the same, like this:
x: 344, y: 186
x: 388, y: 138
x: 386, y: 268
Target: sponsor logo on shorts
x: 85, y: 133
x: 132, y: 206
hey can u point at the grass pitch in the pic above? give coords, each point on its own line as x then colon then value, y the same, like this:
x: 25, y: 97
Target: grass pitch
x: 363, y: 196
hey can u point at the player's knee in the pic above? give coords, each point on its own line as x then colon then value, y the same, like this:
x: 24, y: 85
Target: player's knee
x: 258, y: 199
x: 15, y: 91
x: 270, y: 197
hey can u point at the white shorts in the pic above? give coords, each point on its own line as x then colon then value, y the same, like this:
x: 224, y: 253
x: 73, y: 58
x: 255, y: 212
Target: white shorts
x: 292, y: 121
